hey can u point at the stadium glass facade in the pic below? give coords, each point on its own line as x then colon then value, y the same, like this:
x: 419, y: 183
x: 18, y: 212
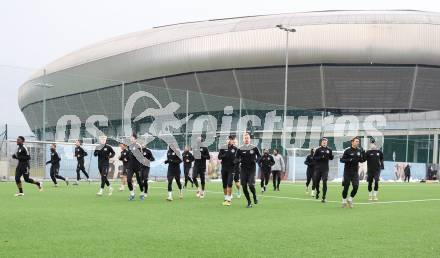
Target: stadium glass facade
x: 399, y: 92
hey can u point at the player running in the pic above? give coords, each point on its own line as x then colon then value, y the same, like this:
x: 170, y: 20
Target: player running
x: 104, y: 152
x: 310, y: 170
x: 237, y: 173
x: 135, y: 158
x: 145, y: 170
x: 227, y: 157
x: 266, y: 162
x: 22, y: 170
x: 124, y: 158
x: 201, y: 154
x: 248, y: 156
x: 321, y: 158
x: 276, y: 169
x: 80, y: 154
x: 351, y: 157
x: 188, y: 159
x: 374, y: 158
x: 173, y: 160
x: 55, y: 165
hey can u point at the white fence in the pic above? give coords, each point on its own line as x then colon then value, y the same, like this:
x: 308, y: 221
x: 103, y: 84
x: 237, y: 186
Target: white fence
x: 393, y: 171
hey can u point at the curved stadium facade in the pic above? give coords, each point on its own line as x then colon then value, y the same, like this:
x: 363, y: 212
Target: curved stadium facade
x: 340, y: 62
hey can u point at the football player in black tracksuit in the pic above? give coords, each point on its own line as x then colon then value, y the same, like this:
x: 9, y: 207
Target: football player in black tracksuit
x: 173, y: 160
x: 266, y: 162
x: 55, y: 165
x: 407, y: 172
x: 23, y: 157
x: 374, y: 158
x: 248, y: 156
x: 351, y: 157
x: 104, y: 152
x: 80, y: 154
x: 321, y: 158
x: 201, y: 154
x: 310, y: 170
x: 188, y: 159
x: 135, y: 158
x: 237, y: 173
x: 124, y: 158
x: 227, y: 156
x: 145, y: 170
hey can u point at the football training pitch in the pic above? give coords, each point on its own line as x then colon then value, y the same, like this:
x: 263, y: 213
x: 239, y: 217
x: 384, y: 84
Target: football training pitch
x: 73, y: 222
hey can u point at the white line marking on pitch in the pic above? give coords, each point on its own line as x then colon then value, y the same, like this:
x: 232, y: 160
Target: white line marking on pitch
x: 403, y: 201
x: 314, y: 200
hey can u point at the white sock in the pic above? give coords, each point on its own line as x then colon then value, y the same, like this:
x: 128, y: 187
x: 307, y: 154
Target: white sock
x: 350, y: 199
x: 344, y: 200
x: 170, y: 195
x: 375, y: 193
x: 132, y: 193
x: 229, y: 197
x: 142, y: 193
x: 370, y: 194
x: 101, y: 190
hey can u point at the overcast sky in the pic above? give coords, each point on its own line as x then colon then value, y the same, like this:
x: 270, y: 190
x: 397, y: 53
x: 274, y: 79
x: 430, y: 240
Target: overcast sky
x: 36, y: 32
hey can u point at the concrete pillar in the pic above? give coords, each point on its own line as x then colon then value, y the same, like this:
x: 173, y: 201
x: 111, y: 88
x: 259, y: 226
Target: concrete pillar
x: 415, y: 151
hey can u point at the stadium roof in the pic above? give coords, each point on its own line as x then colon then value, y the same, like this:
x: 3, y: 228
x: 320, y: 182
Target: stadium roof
x: 339, y: 37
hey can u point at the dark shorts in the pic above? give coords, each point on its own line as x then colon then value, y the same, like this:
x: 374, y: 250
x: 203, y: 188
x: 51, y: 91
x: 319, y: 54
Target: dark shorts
x: 137, y: 173
x: 227, y: 177
x: 124, y: 170
x: 247, y: 176
x: 186, y: 170
x: 22, y: 170
x: 373, y: 175
x: 265, y: 173
x: 198, y: 171
x: 237, y: 176
x: 320, y: 174
x: 103, y: 169
x: 145, y: 173
x: 54, y: 169
x: 350, y: 177
x: 173, y: 172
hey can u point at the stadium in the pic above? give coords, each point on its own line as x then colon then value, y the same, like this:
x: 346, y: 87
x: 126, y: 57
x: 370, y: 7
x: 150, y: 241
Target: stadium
x: 326, y: 65
x: 340, y: 63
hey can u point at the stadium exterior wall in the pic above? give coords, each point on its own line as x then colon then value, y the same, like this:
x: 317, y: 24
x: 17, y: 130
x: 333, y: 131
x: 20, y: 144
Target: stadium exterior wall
x: 341, y: 62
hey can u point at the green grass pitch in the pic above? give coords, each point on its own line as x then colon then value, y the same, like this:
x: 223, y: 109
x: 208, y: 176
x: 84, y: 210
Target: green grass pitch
x: 73, y: 222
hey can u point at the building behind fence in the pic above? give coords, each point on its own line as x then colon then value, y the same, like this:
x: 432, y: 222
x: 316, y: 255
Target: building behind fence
x: 295, y: 167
